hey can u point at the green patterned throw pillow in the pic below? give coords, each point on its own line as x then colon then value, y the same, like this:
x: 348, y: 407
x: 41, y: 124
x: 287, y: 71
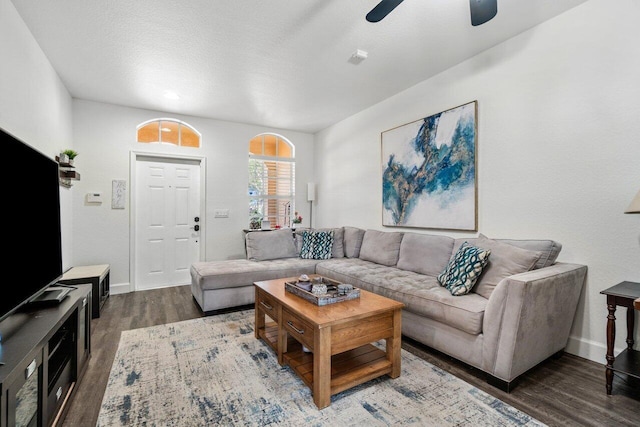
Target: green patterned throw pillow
x: 464, y: 269
x: 316, y: 244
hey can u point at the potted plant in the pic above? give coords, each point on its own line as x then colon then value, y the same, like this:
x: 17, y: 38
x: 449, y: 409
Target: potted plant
x: 297, y: 219
x: 70, y: 154
x: 255, y: 222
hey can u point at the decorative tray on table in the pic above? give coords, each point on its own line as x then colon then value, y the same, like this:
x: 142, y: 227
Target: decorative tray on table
x: 335, y: 291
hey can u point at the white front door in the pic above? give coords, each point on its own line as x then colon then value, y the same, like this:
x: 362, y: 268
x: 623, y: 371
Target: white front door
x: 167, y: 217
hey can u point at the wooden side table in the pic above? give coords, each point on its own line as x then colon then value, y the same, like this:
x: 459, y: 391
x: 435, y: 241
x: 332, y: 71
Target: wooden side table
x: 628, y: 362
x: 98, y: 276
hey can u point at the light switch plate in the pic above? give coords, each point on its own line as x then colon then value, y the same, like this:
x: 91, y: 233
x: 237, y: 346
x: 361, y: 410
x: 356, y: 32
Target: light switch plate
x: 221, y: 213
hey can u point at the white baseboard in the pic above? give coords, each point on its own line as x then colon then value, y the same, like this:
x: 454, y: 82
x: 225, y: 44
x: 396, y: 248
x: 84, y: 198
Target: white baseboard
x: 590, y: 350
x: 120, y: 288
x: 124, y: 288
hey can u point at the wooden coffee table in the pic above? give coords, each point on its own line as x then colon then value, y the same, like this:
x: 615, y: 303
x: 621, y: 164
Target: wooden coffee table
x: 339, y: 336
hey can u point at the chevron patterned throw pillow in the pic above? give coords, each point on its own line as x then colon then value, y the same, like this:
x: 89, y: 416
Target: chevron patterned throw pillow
x: 316, y: 244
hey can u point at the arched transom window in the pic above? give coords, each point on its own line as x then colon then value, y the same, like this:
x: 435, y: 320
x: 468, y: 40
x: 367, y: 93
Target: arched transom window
x: 271, y: 180
x: 168, y: 131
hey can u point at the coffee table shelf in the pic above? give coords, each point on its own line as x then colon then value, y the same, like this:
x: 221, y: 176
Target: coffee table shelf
x: 269, y: 334
x: 348, y: 369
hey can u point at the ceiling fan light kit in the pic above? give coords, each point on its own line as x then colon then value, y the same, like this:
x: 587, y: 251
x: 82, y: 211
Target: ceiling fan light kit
x: 481, y: 10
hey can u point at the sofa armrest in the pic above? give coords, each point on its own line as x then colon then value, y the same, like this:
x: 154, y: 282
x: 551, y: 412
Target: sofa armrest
x: 528, y: 318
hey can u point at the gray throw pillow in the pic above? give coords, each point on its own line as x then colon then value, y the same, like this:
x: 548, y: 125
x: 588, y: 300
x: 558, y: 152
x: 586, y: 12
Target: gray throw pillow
x: 381, y: 247
x: 506, y: 260
x: 352, y: 241
x: 550, y: 249
x: 264, y: 245
x: 424, y: 253
x: 297, y: 234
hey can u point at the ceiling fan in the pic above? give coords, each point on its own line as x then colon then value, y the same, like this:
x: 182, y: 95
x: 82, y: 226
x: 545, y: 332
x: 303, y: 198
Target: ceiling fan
x: 481, y: 10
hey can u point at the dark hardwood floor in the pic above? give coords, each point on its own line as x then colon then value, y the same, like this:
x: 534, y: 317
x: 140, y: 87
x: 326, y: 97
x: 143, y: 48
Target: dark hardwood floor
x: 564, y: 391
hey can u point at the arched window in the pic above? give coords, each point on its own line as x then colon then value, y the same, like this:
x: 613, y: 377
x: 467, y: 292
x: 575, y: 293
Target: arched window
x: 168, y: 131
x: 271, y: 180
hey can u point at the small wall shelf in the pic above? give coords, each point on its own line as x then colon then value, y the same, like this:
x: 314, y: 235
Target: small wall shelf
x: 67, y: 173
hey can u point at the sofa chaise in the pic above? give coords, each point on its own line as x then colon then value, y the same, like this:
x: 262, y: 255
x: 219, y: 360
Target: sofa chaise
x: 518, y: 313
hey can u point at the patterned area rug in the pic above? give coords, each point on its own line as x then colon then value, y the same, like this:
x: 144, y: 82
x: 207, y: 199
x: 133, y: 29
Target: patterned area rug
x: 212, y: 371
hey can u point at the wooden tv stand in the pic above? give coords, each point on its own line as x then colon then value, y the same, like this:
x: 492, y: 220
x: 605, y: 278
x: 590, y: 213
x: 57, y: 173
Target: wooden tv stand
x: 45, y: 350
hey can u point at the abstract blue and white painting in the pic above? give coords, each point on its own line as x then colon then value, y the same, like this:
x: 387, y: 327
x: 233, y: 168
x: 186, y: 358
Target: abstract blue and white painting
x: 429, y: 171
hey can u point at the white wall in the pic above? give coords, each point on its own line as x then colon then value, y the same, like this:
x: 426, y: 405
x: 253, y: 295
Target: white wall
x: 558, y: 149
x: 105, y: 135
x: 34, y: 105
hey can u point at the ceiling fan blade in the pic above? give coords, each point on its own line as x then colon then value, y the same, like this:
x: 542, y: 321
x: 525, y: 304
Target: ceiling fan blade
x: 382, y: 9
x: 482, y: 11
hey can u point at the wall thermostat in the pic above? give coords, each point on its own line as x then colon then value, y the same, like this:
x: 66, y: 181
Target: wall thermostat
x: 94, y: 197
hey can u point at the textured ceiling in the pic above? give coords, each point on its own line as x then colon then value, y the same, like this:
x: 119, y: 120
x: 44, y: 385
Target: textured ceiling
x: 278, y: 63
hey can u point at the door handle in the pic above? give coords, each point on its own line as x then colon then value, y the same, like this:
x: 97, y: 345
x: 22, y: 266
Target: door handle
x: 196, y: 227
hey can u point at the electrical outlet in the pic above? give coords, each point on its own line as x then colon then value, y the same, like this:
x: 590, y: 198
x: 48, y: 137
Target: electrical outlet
x: 221, y: 213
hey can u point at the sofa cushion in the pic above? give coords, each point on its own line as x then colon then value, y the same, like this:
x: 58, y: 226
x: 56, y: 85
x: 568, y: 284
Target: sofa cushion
x: 424, y: 253
x: 316, y: 244
x: 297, y: 235
x: 266, y: 245
x: 420, y: 293
x: 550, y: 249
x: 233, y: 273
x: 505, y: 260
x: 352, y: 241
x: 381, y: 247
x: 464, y: 269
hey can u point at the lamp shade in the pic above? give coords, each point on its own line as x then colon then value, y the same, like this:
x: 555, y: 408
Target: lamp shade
x: 634, y: 207
x: 311, y: 192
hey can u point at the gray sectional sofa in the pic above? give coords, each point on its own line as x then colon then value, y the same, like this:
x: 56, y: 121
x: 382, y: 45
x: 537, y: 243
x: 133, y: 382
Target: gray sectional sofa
x: 518, y: 314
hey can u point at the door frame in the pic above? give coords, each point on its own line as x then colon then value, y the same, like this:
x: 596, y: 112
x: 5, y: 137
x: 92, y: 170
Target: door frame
x: 133, y: 163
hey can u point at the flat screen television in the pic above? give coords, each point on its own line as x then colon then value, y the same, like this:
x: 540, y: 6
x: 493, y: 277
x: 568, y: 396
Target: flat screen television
x: 32, y: 257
